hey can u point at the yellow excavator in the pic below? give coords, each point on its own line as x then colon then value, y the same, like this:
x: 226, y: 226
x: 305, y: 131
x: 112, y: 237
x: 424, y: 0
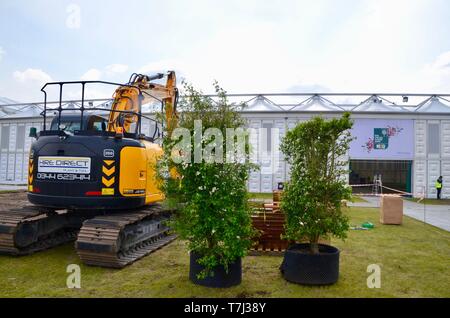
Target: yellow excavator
x: 92, y: 178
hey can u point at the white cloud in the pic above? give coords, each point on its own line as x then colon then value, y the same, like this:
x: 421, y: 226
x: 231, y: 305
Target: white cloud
x: 242, y: 58
x: 369, y: 52
x: 435, y: 76
x: 30, y: 81
x: 254, y: 47
x: 26, y: 85
x: 442, y: 62
x: 92, y: 75
x: 95, y: 74
x: 364, y: 51
x: 32, y: 75
x: 162, y: 66
x: 95, y: 92
x: 117, y: 68
x: 98, y: 91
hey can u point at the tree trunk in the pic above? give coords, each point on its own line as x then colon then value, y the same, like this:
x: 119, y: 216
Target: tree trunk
x: 314, y: 245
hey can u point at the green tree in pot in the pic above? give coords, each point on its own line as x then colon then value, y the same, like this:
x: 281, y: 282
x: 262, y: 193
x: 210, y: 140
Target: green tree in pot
x: 312, y: 198
x: 209, y: 188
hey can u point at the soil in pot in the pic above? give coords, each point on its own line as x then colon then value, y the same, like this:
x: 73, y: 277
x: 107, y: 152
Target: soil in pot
x: 220, y: 279
x: 302, y: 267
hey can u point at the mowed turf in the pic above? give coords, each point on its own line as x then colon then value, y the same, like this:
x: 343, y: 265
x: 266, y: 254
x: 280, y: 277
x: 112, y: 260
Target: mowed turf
x: 430, y: 201
x: 414, y: 260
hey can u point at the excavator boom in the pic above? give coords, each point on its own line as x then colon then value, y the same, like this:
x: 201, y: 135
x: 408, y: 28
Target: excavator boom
x: 140, y: 90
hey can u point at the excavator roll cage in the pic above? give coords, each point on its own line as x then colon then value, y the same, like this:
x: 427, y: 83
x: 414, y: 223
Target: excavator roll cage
x: 137, y: 134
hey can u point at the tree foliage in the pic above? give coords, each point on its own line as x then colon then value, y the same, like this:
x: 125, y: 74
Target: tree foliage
x: 211, y: 198
x: 317, y: 186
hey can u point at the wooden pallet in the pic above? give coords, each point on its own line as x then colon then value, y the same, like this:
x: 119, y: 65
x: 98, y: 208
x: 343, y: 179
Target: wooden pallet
x: 271, y: 227
x: 269, y: 221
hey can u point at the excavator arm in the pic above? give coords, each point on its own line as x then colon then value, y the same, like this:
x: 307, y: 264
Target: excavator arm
x: 141, y: 90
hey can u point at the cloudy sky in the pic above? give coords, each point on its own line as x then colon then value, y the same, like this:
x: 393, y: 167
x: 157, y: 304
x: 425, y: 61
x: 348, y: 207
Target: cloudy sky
x: 249, y: 46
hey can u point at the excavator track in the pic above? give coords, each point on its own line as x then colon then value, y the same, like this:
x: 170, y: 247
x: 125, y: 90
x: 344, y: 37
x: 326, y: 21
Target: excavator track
x: 117, y: 240
x: 15, y: 226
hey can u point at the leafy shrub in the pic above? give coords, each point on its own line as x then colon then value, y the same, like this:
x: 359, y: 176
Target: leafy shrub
x: 312, y: 197
x: 211, y: 198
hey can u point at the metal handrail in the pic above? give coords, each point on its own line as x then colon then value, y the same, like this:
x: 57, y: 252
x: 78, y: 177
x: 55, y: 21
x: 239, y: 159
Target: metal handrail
x: 82, y: 109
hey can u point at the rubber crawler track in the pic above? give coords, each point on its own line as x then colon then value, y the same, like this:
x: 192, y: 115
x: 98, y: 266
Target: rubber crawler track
x: 98, y: 240
x: 11, y: 220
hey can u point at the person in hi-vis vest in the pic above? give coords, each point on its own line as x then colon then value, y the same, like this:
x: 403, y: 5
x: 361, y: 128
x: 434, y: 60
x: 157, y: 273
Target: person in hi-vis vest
x: 438, y: 186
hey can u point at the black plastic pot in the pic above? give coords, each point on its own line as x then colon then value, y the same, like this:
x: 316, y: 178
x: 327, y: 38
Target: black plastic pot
x: 301, y: 267
x: 221, y: 278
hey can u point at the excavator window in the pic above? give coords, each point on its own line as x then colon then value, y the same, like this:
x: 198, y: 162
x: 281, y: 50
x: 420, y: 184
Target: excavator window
x: 68, y: 126
x: 72, y: 123
x: 96, y: 125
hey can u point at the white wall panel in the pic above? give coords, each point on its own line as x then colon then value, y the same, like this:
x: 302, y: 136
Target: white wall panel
x: 14, y: 154
x: 4, y: 144
x: 11, y: 167
x: 279, y: 164
x: 254, y: 126
x: 445, y: 139
x: 254, y: 183
x: 290, y: 124
x: 266, y: 156
x: 3, y: 166
x: 25, y: 167
x: 12, y: 137
x: 28, y: 140
x: 266, y: 183
x: 18, y: 173
x: 445, y: 172
x: 420, y: 177
x: 434, y: 171
x: 420, y: 138
x: 20, y: 137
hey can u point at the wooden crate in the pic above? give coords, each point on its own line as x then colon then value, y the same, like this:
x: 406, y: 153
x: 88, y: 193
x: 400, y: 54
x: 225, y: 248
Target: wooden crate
x: 271, y: 227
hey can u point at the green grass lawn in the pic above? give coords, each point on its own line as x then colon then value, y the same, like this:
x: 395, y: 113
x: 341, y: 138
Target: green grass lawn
x: 430, y: 201
x: 356, y: 198
x: 269, y: 196
x: 414, y: 260
x: 261, y: 196
x: 11, y: 191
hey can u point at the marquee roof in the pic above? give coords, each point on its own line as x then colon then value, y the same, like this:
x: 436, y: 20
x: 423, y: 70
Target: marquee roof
x: 290, y: 102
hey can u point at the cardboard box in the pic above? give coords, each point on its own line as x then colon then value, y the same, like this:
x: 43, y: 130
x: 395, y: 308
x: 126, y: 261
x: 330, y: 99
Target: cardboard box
x: 391, y: 209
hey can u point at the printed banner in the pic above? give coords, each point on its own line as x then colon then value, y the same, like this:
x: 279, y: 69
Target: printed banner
x: 382, y: 139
